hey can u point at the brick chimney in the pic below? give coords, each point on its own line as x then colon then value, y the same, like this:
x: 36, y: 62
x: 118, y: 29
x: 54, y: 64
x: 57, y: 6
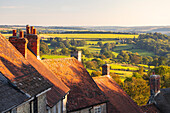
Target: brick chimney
x: 106, y: 69
x: 154, y: 84
x: 77, y: 55
x: 34, y: 42
x: 20, y: 42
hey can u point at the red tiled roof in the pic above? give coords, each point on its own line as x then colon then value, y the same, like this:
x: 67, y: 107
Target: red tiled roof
x: 150, y: 108
x: 119, y: 101
x: 19, y: 71
x: 84, y: 91
x: 59, y: 90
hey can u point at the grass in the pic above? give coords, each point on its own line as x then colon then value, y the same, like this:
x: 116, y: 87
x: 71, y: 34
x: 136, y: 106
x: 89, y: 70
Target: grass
x: 120, y: 47
x: 146, y: 66
x: 91, y: 48
x: 142, y: 52
x: 53, y: 56
x: 119, y: 66
x: 122, y: 73
x: 90, y: 35
x: 95, y: 42
x: 115, y: 53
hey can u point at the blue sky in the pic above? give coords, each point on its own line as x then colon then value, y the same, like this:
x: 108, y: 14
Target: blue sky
x: 85, y: 12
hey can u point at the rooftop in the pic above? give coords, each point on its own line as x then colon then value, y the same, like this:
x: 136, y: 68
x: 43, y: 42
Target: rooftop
x: 19, y: 71
x: 84, y: 91
x: 119, y: 101
x: 59, y: 90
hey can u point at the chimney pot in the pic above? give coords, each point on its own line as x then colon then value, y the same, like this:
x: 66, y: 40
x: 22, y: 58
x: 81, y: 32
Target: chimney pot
x: 32, y: 27
x: 14, y: 32
x: 28, y: 29
x: 34, y: 31
x: 21, y: 34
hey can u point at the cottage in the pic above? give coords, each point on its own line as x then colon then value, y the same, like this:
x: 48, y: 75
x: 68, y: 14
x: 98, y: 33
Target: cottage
x: 119, y: 101
x: 21, y: 77
x: 84, y: 96
x: 57, y: 96
x: 160, y: 98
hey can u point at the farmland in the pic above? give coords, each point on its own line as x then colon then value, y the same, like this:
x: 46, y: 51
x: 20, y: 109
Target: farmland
x: 89, y: 36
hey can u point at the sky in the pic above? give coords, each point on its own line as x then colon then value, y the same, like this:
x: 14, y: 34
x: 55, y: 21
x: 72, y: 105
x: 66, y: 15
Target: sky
x: 85, y: 12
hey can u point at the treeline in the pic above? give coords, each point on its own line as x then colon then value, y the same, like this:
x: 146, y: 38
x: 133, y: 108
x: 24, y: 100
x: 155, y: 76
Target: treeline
x: 155, y: 42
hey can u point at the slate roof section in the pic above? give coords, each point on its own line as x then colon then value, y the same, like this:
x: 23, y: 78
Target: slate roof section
x: 59, y: 90
x: 163, y: 100
x: 119, y: 101
x: 84, y: 91
x: 150, y: 108
x: 19, y: 71
x: 10, y: 97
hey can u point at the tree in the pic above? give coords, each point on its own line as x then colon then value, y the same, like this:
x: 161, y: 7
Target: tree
x: 138, y: 90
x: 44, y: 48
x: 96, y: 73
x: 100, y: 44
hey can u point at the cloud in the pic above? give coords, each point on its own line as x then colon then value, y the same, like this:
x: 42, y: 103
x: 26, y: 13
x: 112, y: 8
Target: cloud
x: 12, y: 7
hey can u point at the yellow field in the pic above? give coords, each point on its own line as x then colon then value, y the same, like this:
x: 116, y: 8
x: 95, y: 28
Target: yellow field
x: 7, y: 35
x: 89, y: 35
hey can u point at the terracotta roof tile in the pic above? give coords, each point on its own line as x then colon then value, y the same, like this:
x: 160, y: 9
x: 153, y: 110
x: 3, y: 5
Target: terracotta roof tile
x: 150, y: 108
x: 20, y: 72
x: 59, y: 90
x: 84, y: 91
x: 119, y: 101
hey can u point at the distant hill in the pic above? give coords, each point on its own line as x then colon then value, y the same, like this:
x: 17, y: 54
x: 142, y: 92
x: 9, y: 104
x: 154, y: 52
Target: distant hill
x: 67, y: 29
x: 138, y: 29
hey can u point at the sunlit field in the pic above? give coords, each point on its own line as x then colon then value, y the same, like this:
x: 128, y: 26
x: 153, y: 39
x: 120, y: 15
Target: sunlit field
x: 89, y: 35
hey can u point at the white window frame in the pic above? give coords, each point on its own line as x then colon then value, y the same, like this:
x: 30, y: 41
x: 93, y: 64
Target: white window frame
x: 97, y: 109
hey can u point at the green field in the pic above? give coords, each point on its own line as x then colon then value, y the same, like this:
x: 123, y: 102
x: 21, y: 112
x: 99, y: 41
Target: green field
x: 89, y: 35
x: 91, y: 48
x: 119, y: 66
x: 53, y: 56
x: 142, y: 52
x: 95, y: 42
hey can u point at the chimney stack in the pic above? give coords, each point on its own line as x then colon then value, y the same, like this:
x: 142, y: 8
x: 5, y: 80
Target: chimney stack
x: 77, y: 55
x: 20, y: 43
x: 106, y: 69
x: 14, y: 32
x: 34, y: 42
x: 154, y: 84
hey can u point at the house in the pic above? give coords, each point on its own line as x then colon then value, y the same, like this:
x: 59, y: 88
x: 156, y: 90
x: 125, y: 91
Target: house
x: 21, y: 77
x: 10, y: 96
x: 57, y: 96
x: 119, y: 101
x: 160, y: 98
x: 84, y: 96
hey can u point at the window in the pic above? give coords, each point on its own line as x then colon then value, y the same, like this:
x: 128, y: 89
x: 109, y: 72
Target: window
x: 14, y: 110
x: 97, y: 109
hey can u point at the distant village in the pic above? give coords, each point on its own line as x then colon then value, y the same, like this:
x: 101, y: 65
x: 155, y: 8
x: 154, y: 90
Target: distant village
x: 63, y: 85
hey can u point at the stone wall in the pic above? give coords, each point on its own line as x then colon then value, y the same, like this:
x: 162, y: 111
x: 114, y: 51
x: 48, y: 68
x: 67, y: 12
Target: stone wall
x: 42, y: 103
x: 92, y: 109
x: 24, y: 108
